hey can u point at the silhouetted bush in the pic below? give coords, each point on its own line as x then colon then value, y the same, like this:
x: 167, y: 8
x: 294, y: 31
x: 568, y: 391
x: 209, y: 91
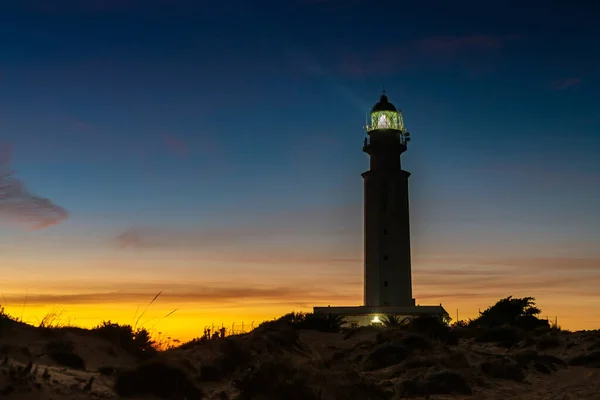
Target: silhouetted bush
x: 542, y: 362
x: 210, y: 373
x: 136, y: 342
x: 505, y: 336
x: 503, y: 369
x: 350, y: 385
x: 391, y: 320
x: 414, y: 341
x: 385, y: 355
x: 232, y: 357
x: 434, y: 382
x: 63, y: 352
x: 518, y: 312
x: 156, y: 378
x: 432, y: 327
x: 451, y: 360
x: 587, y: 360
x: 317, y: 322
x: 275, y: 379
x: 106, y: 371
x: 548, y: 342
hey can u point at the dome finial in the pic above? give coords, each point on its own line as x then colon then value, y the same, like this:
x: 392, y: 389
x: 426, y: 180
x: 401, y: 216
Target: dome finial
x: 383, y: 97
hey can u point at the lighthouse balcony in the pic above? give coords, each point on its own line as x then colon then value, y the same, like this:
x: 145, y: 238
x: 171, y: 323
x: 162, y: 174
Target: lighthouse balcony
x: 402, y: 139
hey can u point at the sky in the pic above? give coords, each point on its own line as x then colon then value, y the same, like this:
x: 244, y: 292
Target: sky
x: 213, y: 151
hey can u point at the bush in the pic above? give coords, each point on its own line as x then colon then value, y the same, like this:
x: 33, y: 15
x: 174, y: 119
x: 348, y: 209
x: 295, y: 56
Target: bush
x: 63, y: 352
x: 505, y: 336
x: 503, y: 369
x: 548, y: 342
x: 435, y: 382
x: 156, y: 378
x: 350, y: 385
x: 385, y: 355
x: 232, y: 356
x: 275, y: 379
x: 518, y: 312
x: 317, y: 322
x: 432, y: 327
x: 136, y: 342
x: 587, y: 360
x: 106, y: 371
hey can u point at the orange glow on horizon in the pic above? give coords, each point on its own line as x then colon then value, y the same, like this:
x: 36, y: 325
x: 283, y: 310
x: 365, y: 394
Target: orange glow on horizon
x: 189, y: 320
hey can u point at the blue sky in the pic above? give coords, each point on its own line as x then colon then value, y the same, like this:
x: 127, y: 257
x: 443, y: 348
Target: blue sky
x: 194, y: 124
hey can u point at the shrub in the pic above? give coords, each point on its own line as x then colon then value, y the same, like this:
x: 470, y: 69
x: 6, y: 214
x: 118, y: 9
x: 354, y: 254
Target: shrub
x: 136, y: 342
x: 232, y: 356
x: 385, y: 355
x: 503, y: 369
x: 432, y: 327
x: 548, y: 342
x: 156, y: 378
x: 350, y: 385
x: 391, y: 320
x: 588, y: 360
x: 505, y: 336
x: 106, y: 371
x: 435, y: 382
x: 519, y: 312
x: 63, y: 352
x: 414, y: 341
x: 317, y: 322
x: 275, y: 379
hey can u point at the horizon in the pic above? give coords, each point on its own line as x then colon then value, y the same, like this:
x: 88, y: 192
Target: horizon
x: 156, y: 148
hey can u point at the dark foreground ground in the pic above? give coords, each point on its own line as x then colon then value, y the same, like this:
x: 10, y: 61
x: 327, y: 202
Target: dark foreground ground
x: 278, y: 361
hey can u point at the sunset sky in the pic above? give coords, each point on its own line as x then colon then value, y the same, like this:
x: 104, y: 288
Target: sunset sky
x: 214, y: 153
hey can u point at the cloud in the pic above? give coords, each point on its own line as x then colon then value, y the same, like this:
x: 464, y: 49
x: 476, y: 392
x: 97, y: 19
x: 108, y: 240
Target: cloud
x: 18, y: 204
x: 450, y: 45
x: 336, y: 221
x: 488, y: 277
x: 177, y: 146
x: 191, y: 293
x: 390, y: 58
x: 566, y: 83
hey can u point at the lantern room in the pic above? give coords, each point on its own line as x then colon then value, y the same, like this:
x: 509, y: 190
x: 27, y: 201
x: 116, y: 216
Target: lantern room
x: 384, y: 115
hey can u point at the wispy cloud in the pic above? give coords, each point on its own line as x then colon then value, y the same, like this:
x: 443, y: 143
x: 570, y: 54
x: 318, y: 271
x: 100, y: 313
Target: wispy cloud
x: 18, y: 204
x: 566, y: 83
x: 177, y: 146
x: 501, y: 276
x: 193, y: 293
x: 430, y: 51
x: 341, y: 220
x: 450, y: 45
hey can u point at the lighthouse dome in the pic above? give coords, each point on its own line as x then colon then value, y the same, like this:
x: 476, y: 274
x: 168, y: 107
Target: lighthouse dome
x: 383, y: 105
x: 384, y: 115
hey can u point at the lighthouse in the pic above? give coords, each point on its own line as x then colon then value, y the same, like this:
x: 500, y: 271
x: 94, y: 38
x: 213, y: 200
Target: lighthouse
x: 388, y: 280
x: 387, y: 257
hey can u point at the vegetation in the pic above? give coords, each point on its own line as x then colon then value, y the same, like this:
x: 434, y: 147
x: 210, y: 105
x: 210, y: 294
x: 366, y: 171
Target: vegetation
x: 517, y: 312
x: 157, y: 378
x: 411, y: 357
x: 136, y: 342
x: 318, y: 322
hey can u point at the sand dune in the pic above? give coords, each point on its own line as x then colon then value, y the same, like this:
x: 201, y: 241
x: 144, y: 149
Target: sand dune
x: 278, y: 361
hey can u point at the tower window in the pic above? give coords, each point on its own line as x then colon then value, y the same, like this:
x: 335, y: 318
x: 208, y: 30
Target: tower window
x: 385, y: 284
x: 385, y: 258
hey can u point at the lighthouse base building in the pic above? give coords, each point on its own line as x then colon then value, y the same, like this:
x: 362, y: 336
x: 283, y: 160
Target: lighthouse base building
x: 388, y: 278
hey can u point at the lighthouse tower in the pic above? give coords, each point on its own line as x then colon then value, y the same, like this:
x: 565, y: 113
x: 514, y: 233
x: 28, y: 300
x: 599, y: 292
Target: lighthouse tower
x: 388, y: 280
